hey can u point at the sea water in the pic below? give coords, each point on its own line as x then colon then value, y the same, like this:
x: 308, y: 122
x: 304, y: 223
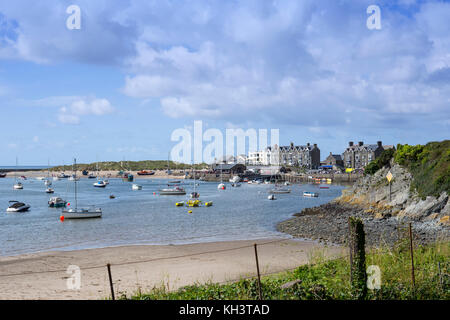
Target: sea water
x: 145, y: 217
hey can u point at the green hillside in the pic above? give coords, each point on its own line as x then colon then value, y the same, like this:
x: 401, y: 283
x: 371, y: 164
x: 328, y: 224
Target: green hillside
x: 429, y: 165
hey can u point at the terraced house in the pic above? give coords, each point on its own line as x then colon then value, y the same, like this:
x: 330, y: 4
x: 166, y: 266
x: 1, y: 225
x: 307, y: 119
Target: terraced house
x: 306, y: 156
x: 360, y: 155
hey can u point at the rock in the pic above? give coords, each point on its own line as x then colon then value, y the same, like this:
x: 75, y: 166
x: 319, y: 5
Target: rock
x: 290, y: 284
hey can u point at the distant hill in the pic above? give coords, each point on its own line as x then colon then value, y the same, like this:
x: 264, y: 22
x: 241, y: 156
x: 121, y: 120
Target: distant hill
x: 130, y: 166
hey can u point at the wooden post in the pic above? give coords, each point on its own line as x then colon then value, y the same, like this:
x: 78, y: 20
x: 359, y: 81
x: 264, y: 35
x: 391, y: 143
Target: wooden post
x: 257, y: 270
x: 413, y: 280
x: 350, y: 245
x: 110, y: 281
x: 358, y: 257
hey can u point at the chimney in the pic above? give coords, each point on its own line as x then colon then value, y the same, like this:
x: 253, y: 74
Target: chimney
x: 360, y: 143
x: 350, y: 144
x: 315, y: 145
x: 292, y: 144
x: 379, y: 143
x: 307, y: 144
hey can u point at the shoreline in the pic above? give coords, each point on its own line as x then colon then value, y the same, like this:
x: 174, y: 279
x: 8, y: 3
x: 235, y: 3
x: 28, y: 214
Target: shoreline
x: 147, y: 266
x: 328, y: 223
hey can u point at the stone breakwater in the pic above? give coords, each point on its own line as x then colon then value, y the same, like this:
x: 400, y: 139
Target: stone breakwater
x: 328, y: 223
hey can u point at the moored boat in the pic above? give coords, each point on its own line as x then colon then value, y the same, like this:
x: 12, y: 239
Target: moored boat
x: 16, y: 206
x: 136, y: 187
x: 310, y: 194
x: 56, y: 202
x: 176, y: 191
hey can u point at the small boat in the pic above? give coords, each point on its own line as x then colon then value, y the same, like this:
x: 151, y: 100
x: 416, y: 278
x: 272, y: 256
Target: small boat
x: 23, y: 177
x: 2, y: 175
x: 136, y: 187
x: 208, y: 204
x: 16, y: 206
x: 271, y: 197
x: 112, y: 196
x: 56, y: 202
x: 18, y: 186
x: 92, y: 176
x: 235, y: 179
x: 82, y: 213
x: 179, y: 204
x: 47, y: 182
x: 62, y: 175
x: 310, y: 194
x: 100, y: 184
x: 175, y: 181
x: 49, y: 190
x: 280, y: 190
x: 40, y: 178
x: 287, y: 183
x: 195, y: 195
x: 172, y: 191
x: 221, y: 186
x: 145, y: 173
x: 324, y: 187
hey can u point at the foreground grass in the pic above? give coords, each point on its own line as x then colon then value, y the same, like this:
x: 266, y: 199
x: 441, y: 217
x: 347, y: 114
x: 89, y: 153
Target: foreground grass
x: 331, y: 279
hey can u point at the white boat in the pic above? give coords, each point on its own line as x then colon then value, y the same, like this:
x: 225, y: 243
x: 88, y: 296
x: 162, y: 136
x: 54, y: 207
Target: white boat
x: 136, y: 186
x: 16, y: 206
x: 280, y: 190
x: 82, y: 213
x: 287, y: 183
x: 176, y: 191
x: 271, y: 197
x: 221, y: 185
x: 310, y: 194
x: 40, y: 178
x: 235, y: 179
x: 18, y: 186
x: 49, y: 190
x: 47, y: 182
x: 100, y: 184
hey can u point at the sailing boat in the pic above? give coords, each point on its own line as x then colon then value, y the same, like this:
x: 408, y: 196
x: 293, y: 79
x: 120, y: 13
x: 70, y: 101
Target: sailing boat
x: 17, y: 185
x: 194, y: 194
x: 48, y: 183
x: 221, y: 185
x: 81, y: 213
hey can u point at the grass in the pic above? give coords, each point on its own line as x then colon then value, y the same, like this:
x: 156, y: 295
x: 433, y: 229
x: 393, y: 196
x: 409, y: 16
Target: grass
x: 330, y: 279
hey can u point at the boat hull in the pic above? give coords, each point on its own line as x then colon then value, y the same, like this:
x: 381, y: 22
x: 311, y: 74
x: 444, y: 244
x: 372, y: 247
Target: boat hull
x: 81, y: 214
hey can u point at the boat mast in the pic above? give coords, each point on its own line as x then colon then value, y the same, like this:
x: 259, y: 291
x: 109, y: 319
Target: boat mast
x: 74, y: 169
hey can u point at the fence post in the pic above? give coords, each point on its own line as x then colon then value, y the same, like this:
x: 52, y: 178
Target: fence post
x: 110, y: 281
x: 413, y: 280
x: 257, y: 270
x: 358, y: 273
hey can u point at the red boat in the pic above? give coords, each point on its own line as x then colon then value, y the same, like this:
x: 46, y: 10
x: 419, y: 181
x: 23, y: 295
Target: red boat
x: 145, y: 173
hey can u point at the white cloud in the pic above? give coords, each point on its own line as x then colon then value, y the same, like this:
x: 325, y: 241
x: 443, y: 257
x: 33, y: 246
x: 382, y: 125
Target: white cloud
x: 81, y: 107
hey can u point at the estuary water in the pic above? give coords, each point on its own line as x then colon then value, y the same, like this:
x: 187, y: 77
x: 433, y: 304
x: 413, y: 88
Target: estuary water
x: 145, y: 217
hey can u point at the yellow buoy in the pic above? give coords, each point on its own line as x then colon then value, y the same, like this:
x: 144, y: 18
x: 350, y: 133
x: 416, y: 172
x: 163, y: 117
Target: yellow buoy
x: 190, y: 211
x: 179, y: 204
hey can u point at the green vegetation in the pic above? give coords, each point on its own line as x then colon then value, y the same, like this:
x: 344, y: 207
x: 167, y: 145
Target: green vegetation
x: 383, y: 160
x: 323, y: 280
x: 429, y: 165
x: 131, y: 166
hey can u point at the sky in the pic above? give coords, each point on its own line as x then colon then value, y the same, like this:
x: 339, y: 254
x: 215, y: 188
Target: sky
x: 135, y: 71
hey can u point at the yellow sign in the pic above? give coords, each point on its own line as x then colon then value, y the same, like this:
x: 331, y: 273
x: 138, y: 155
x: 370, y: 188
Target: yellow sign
x: 389, y: 176
x: 348, y: 170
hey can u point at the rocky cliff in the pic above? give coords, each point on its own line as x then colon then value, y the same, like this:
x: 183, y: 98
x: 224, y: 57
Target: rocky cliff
x: 372, y: 194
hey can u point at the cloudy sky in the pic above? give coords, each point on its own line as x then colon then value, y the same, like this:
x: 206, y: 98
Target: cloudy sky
x: 137, y: 70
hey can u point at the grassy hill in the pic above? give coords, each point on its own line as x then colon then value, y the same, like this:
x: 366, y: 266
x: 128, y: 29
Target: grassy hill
x: 429, y: 165
x: 130, y: 166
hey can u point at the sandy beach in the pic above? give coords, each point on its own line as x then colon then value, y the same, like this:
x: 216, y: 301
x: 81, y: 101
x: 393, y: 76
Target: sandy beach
x: 27, y: 276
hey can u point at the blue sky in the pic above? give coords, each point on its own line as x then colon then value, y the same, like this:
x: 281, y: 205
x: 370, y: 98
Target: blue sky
x: 137, y: 70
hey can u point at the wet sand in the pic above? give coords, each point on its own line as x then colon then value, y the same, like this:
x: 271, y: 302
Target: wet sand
x: 172, y: 265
